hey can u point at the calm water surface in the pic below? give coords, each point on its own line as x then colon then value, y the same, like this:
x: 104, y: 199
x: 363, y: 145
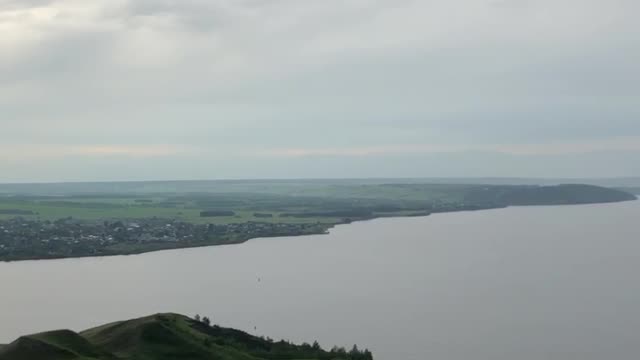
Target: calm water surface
x: 517, y: 283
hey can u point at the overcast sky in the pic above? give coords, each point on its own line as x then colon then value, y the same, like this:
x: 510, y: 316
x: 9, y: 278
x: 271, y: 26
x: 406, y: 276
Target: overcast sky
x: 209, y: 89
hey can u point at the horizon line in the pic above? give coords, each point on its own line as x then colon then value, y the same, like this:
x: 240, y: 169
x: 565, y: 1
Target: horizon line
x: 54, y: 182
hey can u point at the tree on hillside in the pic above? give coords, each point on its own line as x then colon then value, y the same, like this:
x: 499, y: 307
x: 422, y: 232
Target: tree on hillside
x: 206, y: 321
x: 197, y: 318
x: 368, y: 355
x: 339, y: 351
x: 355, y: 352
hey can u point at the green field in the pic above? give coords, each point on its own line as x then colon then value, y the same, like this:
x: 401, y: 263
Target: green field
x: 275, y: 199
x: 186, y: 200
x: 74, y: 220
x: 119, y: 208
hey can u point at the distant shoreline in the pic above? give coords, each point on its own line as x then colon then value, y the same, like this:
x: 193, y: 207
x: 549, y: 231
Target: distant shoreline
x: 324, y: 231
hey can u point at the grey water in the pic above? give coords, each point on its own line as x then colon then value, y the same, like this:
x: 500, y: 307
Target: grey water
x: 516, y: 283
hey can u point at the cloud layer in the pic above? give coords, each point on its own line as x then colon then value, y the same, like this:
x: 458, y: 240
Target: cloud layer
x: 248, y: 84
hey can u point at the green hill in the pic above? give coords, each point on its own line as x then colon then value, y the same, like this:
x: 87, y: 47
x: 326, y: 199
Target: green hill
x: 53, y: 345
x: 164, y: 337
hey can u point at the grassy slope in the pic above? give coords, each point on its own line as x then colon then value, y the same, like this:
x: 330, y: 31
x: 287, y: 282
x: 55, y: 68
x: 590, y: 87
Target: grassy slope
x: 53, y: 345
x: 157, y: 337
x: 166, y: 336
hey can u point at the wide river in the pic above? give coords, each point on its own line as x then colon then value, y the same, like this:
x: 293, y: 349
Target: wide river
x: 517, y: 283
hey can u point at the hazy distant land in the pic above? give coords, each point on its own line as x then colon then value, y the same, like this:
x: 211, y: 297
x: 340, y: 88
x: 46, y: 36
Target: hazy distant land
x: 41, y: 221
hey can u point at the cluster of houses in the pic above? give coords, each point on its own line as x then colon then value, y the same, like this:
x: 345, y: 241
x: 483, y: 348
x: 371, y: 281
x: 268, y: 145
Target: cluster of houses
x: 25, y: 238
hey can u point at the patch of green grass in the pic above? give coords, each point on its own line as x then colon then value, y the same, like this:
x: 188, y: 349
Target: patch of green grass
x: 50, y: 210
x: 304, y: 199
x: 161, y: 337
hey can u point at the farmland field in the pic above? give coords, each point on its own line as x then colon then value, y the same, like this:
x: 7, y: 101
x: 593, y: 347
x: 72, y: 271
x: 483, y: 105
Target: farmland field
x: 94, y: 219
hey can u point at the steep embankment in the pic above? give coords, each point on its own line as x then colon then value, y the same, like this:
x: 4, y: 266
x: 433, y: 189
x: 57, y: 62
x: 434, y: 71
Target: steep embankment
x: 163, y: 337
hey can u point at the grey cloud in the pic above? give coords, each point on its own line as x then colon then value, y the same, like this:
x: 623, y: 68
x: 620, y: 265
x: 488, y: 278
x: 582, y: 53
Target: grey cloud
x: 22, y: 4
x: 229, y: 75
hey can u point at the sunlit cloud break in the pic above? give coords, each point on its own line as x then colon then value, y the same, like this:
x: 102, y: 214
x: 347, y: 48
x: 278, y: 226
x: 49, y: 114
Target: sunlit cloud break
x: 631, y: 143
x: 156, y: 150
x: 35, y: 152
x: 18, y: 152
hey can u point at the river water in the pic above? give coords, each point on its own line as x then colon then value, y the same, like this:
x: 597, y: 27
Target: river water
x: 517, y: 283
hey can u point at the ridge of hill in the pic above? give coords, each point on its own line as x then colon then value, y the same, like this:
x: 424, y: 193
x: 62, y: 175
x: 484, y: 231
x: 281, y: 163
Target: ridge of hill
x: 164, y: 337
